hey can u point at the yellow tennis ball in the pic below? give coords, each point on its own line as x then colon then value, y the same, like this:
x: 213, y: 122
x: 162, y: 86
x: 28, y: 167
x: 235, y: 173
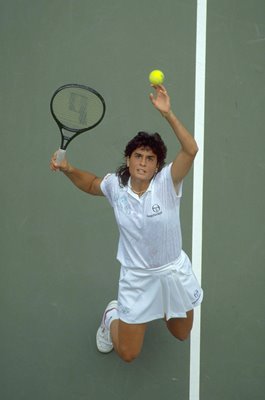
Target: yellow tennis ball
x: 156, y: 77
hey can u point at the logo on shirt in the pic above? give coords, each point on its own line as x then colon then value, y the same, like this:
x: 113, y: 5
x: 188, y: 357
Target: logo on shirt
x: 156, y: 210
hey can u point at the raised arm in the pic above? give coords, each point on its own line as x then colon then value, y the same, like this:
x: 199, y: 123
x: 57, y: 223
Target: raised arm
x: 184, y: 158
x: 83, y: 180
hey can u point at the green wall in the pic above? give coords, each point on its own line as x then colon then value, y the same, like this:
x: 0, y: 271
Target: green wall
x: 58, y: 246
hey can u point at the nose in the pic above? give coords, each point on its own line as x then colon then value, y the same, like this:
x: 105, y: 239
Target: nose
x: 143, y: 161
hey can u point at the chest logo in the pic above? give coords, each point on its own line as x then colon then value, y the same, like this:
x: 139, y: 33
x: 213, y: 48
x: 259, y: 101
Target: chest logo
x: 156, y: 208
x: 156, y: 211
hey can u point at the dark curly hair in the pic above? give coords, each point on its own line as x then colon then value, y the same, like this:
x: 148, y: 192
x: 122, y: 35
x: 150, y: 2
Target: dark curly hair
x: 142, y: 139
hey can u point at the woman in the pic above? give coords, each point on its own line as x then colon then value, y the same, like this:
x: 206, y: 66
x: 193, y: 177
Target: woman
x: 156, y: 278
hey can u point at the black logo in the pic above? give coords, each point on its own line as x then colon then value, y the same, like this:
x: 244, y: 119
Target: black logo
x: 156, y: 208
x: 156, y: 211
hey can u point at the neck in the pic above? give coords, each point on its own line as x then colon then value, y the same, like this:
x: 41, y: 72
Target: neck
x: 139, y: 193
x: 138, y: 189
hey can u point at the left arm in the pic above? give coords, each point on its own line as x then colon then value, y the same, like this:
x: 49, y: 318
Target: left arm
x: 184, y: 158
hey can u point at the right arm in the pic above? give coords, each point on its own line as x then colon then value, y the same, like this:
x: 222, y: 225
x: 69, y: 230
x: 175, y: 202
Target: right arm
x: 83, y: 180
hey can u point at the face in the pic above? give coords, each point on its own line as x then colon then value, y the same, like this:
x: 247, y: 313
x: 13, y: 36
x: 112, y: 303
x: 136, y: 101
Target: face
x: 142, y: 164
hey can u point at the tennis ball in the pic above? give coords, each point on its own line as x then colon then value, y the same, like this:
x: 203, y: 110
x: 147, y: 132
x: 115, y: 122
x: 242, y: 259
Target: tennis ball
x: 156, y: 77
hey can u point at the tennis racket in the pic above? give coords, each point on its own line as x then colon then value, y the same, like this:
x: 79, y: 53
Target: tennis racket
x: 76, y: 109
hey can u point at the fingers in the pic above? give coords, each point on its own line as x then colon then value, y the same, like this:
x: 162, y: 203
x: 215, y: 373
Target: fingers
x: 160, y: 99
x: 53, y: 165
x: 151, y: 96
x: 161, y: 94
x: 59, y: 165
x: 159, y: 87
x: 160, y: 90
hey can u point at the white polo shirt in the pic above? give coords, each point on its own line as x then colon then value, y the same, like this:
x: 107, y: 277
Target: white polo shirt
x: 149, y: 226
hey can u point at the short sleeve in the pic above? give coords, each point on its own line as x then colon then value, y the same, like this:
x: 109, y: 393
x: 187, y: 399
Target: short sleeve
x: 109, y: 187
x: 166, y: 178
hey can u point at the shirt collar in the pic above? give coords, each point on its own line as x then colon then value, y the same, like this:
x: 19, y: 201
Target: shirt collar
x: 129, y: 190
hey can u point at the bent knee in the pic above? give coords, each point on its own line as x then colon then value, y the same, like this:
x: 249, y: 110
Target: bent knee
x: 182, y: 336
x: 128, y: 355
x: 128, y: 358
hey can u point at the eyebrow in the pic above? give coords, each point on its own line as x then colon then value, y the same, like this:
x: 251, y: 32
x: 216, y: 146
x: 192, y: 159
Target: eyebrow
x: 149, y: 156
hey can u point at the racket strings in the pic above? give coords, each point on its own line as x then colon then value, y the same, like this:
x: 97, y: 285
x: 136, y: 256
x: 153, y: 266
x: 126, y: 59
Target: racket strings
x: 77, y: 108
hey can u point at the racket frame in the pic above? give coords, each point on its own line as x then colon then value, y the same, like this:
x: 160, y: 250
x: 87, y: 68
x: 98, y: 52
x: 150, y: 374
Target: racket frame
x: 65, y: 140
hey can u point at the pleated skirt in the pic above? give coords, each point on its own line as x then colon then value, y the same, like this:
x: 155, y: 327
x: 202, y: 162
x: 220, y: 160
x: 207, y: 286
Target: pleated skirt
x: 167, y: 292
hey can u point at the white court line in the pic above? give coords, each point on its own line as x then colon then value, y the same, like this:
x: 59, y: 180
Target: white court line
x: 195, y: 341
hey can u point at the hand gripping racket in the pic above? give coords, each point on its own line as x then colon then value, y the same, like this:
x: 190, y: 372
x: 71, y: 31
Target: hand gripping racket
x: 76, y: 109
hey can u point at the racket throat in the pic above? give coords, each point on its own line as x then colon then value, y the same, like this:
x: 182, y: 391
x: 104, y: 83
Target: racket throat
x: 65, y: 141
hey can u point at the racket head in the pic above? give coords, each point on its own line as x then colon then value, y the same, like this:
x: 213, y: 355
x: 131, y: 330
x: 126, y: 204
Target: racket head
x: 76, y: 109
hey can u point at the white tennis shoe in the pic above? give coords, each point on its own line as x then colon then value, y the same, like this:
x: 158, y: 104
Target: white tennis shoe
x: 103, y: 338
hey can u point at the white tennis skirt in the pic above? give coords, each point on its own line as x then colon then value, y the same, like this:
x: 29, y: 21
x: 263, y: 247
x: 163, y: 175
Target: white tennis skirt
x: 164, y: 292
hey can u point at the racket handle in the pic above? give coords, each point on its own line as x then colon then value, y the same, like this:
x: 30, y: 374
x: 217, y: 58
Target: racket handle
x: 60, y: 156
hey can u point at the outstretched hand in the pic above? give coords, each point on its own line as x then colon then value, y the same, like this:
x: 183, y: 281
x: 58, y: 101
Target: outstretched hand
x: 161, y: 99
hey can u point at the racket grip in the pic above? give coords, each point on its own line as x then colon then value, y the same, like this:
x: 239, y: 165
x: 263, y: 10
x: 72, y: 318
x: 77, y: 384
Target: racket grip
x: 60, y: 156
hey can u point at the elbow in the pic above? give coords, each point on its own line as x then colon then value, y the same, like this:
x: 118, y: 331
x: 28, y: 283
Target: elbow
x: 193, y: 150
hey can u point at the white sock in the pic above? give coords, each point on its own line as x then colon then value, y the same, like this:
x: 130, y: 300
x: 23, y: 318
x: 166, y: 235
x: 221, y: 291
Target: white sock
x: 110, y: 316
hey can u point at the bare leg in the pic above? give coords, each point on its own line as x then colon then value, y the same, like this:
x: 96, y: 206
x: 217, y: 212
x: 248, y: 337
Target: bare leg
x: 181, y: 327
x: 127, y: 339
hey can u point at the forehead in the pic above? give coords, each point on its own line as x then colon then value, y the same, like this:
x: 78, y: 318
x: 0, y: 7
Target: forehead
x: 145, y: 150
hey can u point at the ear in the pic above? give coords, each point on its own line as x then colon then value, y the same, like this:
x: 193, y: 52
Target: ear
x: 128, y: 161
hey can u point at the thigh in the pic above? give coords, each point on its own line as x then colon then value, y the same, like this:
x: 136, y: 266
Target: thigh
x: 131, y: 336
x: 181, y: 327
x: 127, y: 339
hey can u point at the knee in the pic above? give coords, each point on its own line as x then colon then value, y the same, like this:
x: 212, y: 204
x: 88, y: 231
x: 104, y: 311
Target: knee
x: 128, y: 355
x: 180, y: 328
x: 128, y: 358
x: 182, y: 336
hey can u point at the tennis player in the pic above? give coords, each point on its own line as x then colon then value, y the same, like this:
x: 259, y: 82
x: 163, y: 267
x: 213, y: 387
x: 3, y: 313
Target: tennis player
x: 156, y: 276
